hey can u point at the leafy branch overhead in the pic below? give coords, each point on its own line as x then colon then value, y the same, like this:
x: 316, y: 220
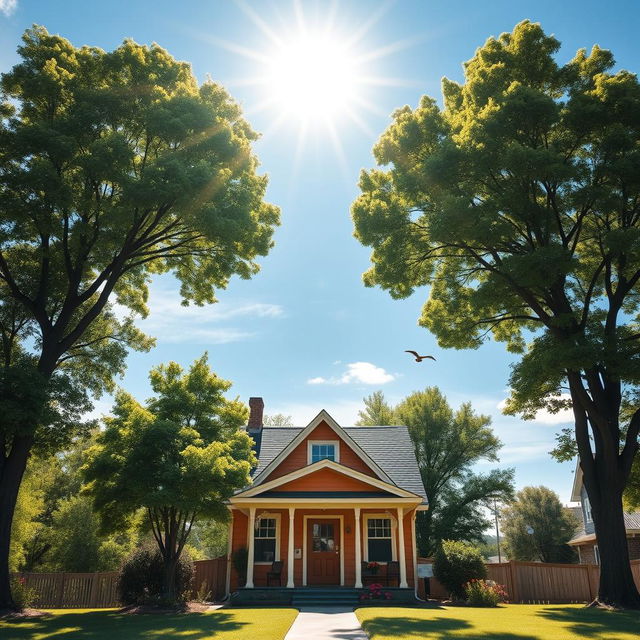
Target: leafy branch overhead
x: 518, y: 204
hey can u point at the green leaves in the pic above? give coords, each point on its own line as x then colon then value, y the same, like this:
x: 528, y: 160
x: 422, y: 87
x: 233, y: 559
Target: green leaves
x: 182, y: 452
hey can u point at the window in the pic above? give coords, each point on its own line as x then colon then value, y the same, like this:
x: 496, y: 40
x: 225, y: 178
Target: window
x: 264, y: 543
x: 587, y: 509
x: 325, y: 450
x: 379, y: 540
x: 323, y: 538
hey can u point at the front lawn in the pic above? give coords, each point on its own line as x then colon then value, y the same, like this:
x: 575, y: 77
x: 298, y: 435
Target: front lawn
x: 509, y: 622
x: 101, y: 624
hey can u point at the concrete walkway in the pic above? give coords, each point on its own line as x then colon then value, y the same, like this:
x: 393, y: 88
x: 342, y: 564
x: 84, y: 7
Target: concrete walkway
x: 326, y: 623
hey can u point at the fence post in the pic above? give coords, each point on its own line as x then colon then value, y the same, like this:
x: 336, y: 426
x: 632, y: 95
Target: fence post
x: 60, y: 594
x: 514, y: 585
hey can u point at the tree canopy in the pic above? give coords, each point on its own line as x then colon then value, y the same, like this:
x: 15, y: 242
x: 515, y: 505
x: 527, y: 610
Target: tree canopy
x: 447, y: 444
x: 377, y: 411
x: 179, y: 457
x: 518, y: 203
x: 114, y: 166
x: 537, y: 527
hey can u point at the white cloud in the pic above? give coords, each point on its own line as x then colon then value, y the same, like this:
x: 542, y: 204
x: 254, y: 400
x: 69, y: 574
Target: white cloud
x: 8, y: 6
x: 171, y: 322
x: 358, y: 372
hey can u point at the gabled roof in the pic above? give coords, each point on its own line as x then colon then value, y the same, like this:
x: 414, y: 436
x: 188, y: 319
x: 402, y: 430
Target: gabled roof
x: 262, y: 472
x: 374, y: 483
x: 388, y: 448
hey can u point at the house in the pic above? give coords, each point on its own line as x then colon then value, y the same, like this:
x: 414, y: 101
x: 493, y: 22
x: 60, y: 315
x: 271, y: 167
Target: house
x: 325, y: 500
x: 585, y: 539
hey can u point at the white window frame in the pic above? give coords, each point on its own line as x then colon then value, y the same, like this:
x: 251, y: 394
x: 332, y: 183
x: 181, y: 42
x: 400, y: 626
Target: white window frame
x: 269, y: 516
x: 394, y: 536
x: 588, y: 517
x: 311, y: 443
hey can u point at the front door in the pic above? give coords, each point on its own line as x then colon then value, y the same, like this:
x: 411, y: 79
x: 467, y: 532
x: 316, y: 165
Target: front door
x: 323, y: 552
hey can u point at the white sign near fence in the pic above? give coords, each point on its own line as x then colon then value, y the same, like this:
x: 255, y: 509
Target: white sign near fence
x: 425, y: 571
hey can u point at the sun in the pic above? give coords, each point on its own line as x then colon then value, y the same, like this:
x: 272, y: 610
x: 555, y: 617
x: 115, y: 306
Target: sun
x: 314, y: 76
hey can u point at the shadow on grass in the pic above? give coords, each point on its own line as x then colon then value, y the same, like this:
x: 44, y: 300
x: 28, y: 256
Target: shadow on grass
x: 437, y: 628
x: 113, y: 625
x: 594, y: 623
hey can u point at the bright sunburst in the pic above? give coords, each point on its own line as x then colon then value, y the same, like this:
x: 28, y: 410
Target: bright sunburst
x: 313, y: 76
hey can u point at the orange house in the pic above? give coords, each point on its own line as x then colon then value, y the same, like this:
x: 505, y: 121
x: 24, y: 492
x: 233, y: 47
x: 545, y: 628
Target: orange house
x: 326, y: 501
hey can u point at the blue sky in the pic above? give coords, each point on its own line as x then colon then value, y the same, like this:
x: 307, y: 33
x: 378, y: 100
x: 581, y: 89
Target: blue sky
x: 306, y: 316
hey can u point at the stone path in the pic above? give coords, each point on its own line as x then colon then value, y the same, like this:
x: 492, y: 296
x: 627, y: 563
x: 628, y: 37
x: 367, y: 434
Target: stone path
x: 326, y: 623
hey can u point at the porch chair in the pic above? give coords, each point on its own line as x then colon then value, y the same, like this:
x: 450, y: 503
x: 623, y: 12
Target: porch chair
x: 276, y: 572
x: 393, y: 572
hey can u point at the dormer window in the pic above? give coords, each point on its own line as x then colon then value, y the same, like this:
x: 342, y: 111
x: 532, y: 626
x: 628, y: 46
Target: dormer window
x: 323, y: 450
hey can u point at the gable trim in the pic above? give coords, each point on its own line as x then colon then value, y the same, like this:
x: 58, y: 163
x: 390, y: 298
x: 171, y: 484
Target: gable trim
x: 576, y: 495
x: 334, y: 466
x: 340, y: 432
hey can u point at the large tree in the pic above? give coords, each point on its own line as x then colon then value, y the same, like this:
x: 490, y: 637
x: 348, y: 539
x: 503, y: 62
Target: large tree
x: 113, y: 166
x: 537, y: 527
x: 447, y: 444
x: 179, y: 457
x: 518, y: 203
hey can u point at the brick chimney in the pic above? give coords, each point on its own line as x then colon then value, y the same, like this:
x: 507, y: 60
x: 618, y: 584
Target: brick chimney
x: 256, y: 409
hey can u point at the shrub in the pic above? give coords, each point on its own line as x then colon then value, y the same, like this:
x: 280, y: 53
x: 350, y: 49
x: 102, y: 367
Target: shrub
x: 141, y: 578
x: 375, y: 592
x: 240, y: 560
x: 484, y: 593
x: 23, y: 596
x: 455, y: 564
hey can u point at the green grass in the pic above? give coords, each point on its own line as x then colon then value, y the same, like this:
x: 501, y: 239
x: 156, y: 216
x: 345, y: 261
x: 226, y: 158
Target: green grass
x: 509, y: 622
x: 101, y: 624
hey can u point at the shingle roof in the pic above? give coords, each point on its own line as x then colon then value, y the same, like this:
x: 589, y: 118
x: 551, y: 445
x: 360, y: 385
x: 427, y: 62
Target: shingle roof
x: 389, y: 447
x: 631, y: 522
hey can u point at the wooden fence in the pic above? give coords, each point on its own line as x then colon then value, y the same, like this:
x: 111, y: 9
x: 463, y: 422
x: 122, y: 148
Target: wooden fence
x: 211, y: 577
x: 535, y: 582
x: 98, y: 590
x: 77, y: 590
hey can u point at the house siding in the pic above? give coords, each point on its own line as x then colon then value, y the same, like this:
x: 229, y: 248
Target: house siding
x: 325, y: 480
x: 298, y: 458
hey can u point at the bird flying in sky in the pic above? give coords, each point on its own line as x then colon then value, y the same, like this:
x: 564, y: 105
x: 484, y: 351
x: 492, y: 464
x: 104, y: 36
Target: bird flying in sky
x: 418, y: 357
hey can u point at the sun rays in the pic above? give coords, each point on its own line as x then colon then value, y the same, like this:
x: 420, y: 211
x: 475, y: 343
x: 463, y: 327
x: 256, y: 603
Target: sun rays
x: 314, y: 74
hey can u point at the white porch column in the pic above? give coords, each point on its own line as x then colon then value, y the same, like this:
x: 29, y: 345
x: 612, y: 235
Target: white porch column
x: 290, y: 584
x: 401, y: 558
x: 358, y: 543
x: 251, y: 535
x: 229, y: 551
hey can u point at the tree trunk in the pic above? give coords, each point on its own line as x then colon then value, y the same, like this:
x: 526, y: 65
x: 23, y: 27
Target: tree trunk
x: 11, y: 473
x: 617, y: 587
x: 170, y: 564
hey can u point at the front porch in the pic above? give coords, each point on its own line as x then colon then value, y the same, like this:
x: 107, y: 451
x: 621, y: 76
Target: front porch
x: 315, y: 548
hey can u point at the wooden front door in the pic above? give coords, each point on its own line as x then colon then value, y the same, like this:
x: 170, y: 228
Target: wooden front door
x: 323, y: 552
